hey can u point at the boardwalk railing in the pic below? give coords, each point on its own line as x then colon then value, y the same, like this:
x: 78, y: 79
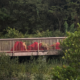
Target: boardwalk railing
x: 7, y: 46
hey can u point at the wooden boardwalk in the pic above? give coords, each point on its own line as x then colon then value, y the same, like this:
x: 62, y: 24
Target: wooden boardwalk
x: 7, y: 44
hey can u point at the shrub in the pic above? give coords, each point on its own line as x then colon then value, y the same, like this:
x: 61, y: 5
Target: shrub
x: 70, y: 47
x: 71, y: 50
x: 64, y: 73
x: 10, y: 68
x: 46, y: 33
x: 12, y: 33
x: 70, y: 28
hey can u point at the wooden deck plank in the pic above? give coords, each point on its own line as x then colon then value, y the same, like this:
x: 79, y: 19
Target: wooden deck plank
x: 55, y: 52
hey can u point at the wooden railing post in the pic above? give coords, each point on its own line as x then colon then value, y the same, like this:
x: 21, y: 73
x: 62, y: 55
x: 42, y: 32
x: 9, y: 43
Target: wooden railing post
x: 38, y: 48
x: 13, y: 48
x: 57, y: 40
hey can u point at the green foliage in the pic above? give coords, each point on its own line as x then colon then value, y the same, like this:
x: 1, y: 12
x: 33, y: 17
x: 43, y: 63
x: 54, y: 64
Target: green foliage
x: 10, y: 68
x: 72, y: 29
x: 34, y: 69
x: 71, y: 48
x: 57, y: 33
x: 31, y: 15
x: 64, y: 73
x: 46, y: 33
x: 68, y: 28
x: 12, y: 33
x: 39, y: 77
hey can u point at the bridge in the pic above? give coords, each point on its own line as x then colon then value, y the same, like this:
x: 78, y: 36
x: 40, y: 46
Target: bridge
x: 7, y: 46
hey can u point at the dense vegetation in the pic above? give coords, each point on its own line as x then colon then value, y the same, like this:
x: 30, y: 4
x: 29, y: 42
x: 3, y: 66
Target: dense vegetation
x: 38, y: 18
x: 71, y: 49
x: 34, y: 69
x: 32, y: 16
x: 66, y: 68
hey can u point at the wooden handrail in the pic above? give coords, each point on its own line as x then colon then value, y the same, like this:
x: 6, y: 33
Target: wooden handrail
x: 42, y: 38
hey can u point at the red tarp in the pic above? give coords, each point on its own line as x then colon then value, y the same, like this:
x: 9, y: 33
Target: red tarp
x: 56, y: 46
x: 18, y: 46
x: 34, y: 46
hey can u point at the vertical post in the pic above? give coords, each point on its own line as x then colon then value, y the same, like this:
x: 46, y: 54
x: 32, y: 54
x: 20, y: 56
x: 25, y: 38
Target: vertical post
x: 1, y: 45
x: 13, y: 48
x: 57, y: 40
x: 50, y: 43
x: 38, y: 48
x: 10, y: 44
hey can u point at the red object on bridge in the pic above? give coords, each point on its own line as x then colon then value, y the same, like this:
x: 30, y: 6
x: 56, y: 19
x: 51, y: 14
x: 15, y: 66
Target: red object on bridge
x: 35, y: 46
x: 18, y: 46
x: 56, y: 46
